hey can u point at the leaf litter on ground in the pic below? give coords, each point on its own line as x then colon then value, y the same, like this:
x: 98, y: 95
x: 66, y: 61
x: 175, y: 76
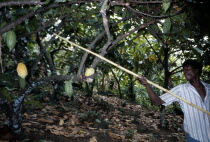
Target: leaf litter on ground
x: 99, y: 119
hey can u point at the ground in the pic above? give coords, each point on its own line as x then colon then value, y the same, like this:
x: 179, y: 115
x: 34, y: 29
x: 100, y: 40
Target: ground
x: 95, y: 119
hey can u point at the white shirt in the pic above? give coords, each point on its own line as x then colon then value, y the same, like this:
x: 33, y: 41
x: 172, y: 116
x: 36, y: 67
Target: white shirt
x: 196, y: 122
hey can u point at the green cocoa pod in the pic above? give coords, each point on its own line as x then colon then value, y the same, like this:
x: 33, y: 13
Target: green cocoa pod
x: 68, y: 88
x: 11, y: 39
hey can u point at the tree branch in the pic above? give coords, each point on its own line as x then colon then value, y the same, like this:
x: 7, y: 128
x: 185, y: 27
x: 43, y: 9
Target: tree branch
x: 34, y: 12
x: 1, y: 63
x: 105, y: 21
x: 84, y: 57
x: 152, y: 16
x: 175, y: 70
x: 131, y: 31
x: 135, y: 2
x: 99, y: 37
x: 153, y: 33
x: 153, y: 49
x: 14, y: 3
x: 105, y: 48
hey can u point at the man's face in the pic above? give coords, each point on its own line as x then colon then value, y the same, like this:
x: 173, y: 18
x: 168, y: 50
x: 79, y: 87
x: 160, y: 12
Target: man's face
x: 190, y: 73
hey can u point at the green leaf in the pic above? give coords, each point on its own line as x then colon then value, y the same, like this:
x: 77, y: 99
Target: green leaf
x: 180, y: 17
x: 166, y: 6
x: 21, y: 11
x: 34, y: 103
x: 57, y: 10
x: 4, y: 34
x: 198, y: 50
x: 155, y: 28
x: 3, y: 24
x: 33, y: 24
x: 7, y: 80
x: 49, y: 12
x: 117, y: 8
x: 167, y: 25
x: 8, y: 97
x: 66, y: 69
x: 127, y: 26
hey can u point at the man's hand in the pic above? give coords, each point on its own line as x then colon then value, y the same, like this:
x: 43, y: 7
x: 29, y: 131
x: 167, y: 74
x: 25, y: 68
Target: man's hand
x: 142, y: 80
x: 156, y: 100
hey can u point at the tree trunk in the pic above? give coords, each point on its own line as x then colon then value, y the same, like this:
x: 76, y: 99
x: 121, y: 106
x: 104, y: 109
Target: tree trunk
x: 15, y: 119
x: 89, y: 88
x: 118, y: 83
x: 103, y: 82
x: 163, y: 122
x: 132, y: 95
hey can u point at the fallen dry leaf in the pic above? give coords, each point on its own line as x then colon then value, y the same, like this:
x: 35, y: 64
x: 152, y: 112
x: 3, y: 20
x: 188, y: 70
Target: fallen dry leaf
x: 70, y: 127
x: 49, y: 107
x: 93, y: 139
x: 74, y: 120
x: 56, y: 112
x: 46, y: 120
x: 116, y: 136
x: 26, y: 124
x: 65, y: 117
x: 75, y: 131
x: 61, y: 122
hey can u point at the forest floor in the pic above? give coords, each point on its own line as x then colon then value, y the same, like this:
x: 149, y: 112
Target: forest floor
x: 96, y: 119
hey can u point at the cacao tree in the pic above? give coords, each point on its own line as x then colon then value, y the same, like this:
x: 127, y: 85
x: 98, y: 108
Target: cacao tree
x: 135, y: 34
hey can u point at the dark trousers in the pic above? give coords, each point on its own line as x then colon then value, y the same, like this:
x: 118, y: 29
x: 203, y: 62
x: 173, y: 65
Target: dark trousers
x: 190, y: 139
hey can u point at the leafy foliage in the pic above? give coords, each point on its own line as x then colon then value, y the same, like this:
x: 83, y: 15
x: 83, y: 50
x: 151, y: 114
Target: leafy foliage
x: 127, y: 33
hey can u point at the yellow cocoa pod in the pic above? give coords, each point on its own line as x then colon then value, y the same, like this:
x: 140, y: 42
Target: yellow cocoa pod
x: 152, y: 58
x: 123, y: 51
x: 22, y: 70
x: 89, y: 72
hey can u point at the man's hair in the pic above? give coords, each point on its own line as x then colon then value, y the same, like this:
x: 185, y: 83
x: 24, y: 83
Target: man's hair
x: 194, y: 64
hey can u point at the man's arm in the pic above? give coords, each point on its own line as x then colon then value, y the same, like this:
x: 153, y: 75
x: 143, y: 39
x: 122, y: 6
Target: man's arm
x: 155, y: 99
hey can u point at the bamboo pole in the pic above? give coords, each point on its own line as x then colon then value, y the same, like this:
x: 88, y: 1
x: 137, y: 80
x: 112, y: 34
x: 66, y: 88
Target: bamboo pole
x: 134, y: 74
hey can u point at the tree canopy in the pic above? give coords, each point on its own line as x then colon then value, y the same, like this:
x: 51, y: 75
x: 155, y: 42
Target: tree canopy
x: 148, y: 37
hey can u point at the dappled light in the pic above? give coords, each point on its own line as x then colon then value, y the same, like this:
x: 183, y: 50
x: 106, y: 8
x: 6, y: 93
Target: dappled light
x: 84, y: 71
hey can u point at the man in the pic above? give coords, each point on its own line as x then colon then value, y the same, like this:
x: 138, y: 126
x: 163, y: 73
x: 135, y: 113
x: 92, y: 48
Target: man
x: 196, y: 123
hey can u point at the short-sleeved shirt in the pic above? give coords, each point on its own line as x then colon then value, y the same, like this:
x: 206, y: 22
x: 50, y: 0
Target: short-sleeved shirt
x: 196, y: 123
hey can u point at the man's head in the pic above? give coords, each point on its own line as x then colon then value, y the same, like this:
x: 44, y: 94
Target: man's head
x: 192, y: 68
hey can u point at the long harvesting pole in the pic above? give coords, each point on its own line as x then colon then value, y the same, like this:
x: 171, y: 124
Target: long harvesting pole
x: 134, y: 74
